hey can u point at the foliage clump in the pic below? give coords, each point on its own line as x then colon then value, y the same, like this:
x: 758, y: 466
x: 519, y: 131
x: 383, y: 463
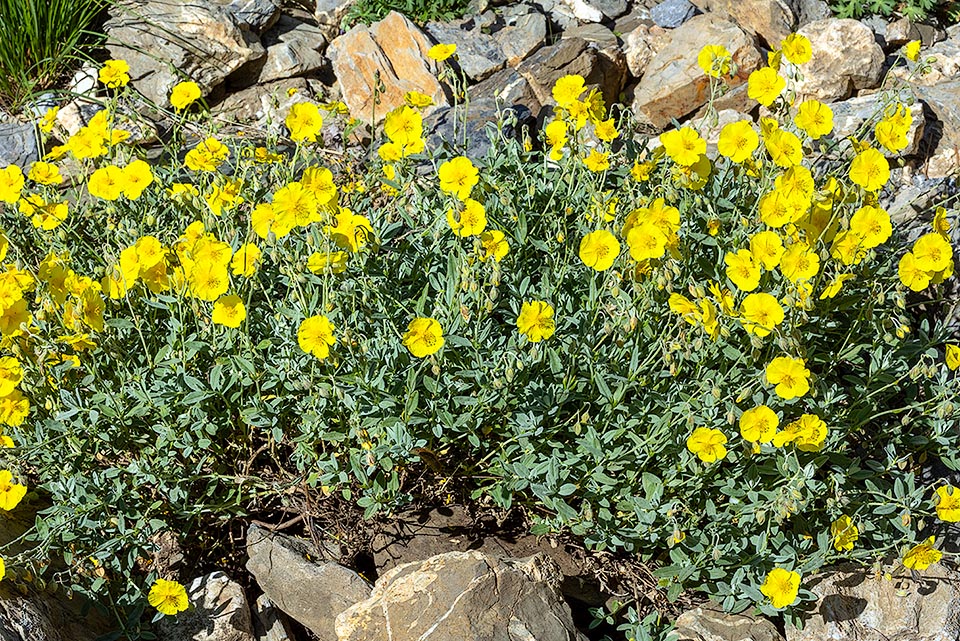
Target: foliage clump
x: 728, y: 363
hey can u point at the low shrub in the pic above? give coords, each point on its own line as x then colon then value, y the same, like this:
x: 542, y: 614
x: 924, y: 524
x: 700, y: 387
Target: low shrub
x: 420, y: 11
x: 39, y: 42
x: 916, y: 10
x: 731, y: 365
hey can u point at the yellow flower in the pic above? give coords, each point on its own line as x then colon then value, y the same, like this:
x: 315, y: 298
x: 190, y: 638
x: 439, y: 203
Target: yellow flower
x: 11, y: 183
x: 870, y: 170
x: 844, y: 533
x: 781, y: 587
x: 799, y: 263
x: 47, y: 215
x: 814, y: 118
x: 10, y: 493
x: 471, y: 221
x: 641, y: 171
x: 11, y: 373
x: 567, y: 89
x: 417, y: 100
x: 797, y: 49
x: 767, y: 249
x: 208, y: 280
x: 784, y: 147
x: 932, y: 253
x: 315, y: 336
x: 44, y: 173
x: 646, y: 240
x: 536, y: 321
x: 106, y: 183
x: 3, y: 566
x: 807, y: 432
x: 848, y: 248
x: 206, y: 156
x: 245, y: 260
x: 229, y: 311
x: 684, y: 145
x: 48, y: 120
x: 948, y: 503
x: 758, y: 425
x: 833, y: 288
x: 872, y: 224
x: 441, y: 52
x: 912, y: 50
x: 14, y: 407
x: 597, y: 161
x: 184, y: 94
x: 493, y: 245
x: 403, y: 126
x: 707, y: 444
x: 922, y: 556
x: 304, y: 122
x: 599, y: 249
x: 790, y: 375
x: 764, y: 85
x: 423, y: 337
x: 761, y: 313
x: 352, y: 231
x: 295, y: 205
x: 458, y: 176
x: 952, y: 357
x: 137, y: 176
x: 714, y: 60
x: 319, y: 263
x: 680, y: 304
x: 738, y: 141
x: 742, y: 270
x: 911, y: 275
x: 114, y: 73
x: 606, y: 130
x: 319, y: 181
x: 168, y: 597
x: 224, y: 196
x: 148, y: 251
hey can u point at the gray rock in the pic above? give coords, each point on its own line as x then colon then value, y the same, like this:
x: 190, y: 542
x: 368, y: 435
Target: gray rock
x: 84, y: 81
x: 218, y: 612
x: 674, y: 85
x: 264, y: 105
x: 639, y: 16
x: 711, y: 623
x: 854, y: 604
x: 18, y: 144
x: 771, y: 20
x: 256, y: 15
x: 846, y: 58
x: 900, y: 32
x: 469, y: 134
x: 943, y: 100
x: 813, y: 10
x: 574, y: 56
x: 269, y: 624
x: 294, y: 48
x: 165, y: 41
x: 850, y: 115
x: 642, y: 45
x: 478, y: 54
x: 611, y: 9
x: 522, y: 35
x: 311, y: 592
x: 670, y: 14
x: 463, y: 596
x: 33, y: 612
x: 509, y: 88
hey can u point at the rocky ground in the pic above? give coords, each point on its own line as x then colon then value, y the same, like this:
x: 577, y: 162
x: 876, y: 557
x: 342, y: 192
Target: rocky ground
x: 430, y: 577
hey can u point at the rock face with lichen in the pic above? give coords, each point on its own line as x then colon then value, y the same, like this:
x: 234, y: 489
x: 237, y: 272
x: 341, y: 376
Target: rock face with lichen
x: 463, y: 596
x: 386, y: 60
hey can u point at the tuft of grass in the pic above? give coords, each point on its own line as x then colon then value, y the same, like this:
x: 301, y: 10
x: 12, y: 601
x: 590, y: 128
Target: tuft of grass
x: 39, y: 42
x: 420, y: 11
